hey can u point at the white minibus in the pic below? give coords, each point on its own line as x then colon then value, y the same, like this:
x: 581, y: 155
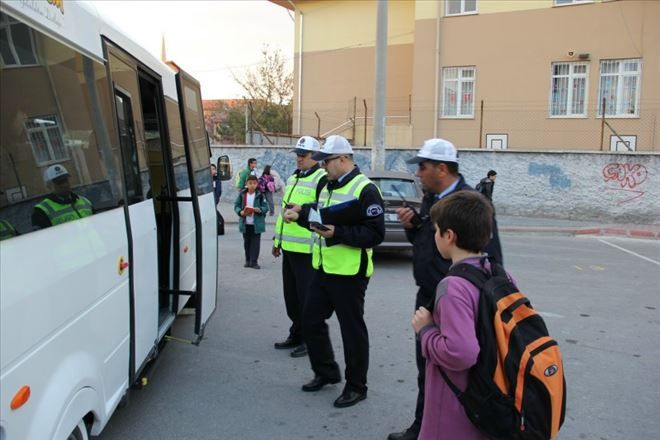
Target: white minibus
x: 107, y: 216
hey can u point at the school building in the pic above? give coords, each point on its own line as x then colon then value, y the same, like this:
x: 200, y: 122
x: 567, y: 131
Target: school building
x: 514, y: 74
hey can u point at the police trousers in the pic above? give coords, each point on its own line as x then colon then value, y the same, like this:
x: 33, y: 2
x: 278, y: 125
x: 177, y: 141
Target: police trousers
x: 297, y: 273
x: 343, y: 295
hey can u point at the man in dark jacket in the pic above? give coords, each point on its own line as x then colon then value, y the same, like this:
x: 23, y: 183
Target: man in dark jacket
x: 438, y: 173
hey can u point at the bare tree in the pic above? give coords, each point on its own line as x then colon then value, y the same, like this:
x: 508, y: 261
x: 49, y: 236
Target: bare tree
x: 269, y: 88
x: 270, y: 81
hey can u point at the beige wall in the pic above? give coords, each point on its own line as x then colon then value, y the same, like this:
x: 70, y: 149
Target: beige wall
x: 513, y: 53
x: 512, y: 44
x: 338, y: 65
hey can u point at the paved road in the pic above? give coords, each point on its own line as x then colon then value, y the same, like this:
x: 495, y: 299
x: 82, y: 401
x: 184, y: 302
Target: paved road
x: 600, y: 297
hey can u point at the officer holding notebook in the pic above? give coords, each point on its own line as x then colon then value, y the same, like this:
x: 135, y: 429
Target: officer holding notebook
x: 348, y: 221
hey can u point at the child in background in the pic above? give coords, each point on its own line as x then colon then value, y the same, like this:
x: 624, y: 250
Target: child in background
x: 251, y: 207
x: 267, y: 187
x: 447, y: 336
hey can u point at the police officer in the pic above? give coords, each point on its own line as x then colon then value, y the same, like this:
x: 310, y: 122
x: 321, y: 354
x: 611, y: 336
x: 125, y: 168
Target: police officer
x: 437, y: 170
x: 62, y: 205
x: 349, y: 222
x: 294, y: 242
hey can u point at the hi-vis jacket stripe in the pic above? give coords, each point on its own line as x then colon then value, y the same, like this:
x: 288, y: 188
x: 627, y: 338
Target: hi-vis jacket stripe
x: 299, y: 190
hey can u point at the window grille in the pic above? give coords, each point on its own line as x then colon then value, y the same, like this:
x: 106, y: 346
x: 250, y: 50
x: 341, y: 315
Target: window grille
x: 46, y: 138
x: 568, y: 94
x: 458, y: 92
x: 619, y: 85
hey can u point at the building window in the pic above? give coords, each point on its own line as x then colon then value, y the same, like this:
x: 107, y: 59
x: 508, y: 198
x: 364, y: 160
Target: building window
x: 571, y: 2
x: 46, y: 139
x: 619, y: 86
x: 458, y: 92
x: 460, y: 7
x: 568, y: 92
x: 16, y: 43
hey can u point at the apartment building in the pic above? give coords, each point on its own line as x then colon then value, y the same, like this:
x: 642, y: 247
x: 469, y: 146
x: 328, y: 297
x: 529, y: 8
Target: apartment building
x: 516, y: 74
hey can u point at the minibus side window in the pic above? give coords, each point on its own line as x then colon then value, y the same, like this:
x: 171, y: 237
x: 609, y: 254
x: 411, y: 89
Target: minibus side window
x: 199, y: 147
x: 59, y: 158
x: 176, y: 145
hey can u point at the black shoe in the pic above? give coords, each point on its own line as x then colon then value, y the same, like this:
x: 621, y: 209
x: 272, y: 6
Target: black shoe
x: 299, y: 351
x: 288, y: 343
x: 255, y: 266
x: 349, y: 398
x: 408, y: 434
x: 317, y: 383
x: 246, y: 264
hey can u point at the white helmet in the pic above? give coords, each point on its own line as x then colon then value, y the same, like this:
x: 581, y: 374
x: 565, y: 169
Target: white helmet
x: 306, y: 144
x: 55, y: 171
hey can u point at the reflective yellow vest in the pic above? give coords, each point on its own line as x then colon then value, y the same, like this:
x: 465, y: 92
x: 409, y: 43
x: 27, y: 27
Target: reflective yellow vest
x: 7, y: 230
x: 59, y: 213
x: 290, y: 236
x: 341, y: 259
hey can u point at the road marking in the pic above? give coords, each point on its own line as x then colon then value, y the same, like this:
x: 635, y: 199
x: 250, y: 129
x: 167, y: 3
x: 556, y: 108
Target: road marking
x: 597, y: 268
x: 578, y: 267
x: 550, y: 315
x: 630, y: 252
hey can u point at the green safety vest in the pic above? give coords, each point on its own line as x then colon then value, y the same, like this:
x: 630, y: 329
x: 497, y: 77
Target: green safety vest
x: 59, y: 213
x: 341, y: 259
x: 299, y: 190
x: 7, y: 230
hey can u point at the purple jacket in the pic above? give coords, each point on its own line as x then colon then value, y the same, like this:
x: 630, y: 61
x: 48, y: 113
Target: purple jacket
x: 451, y: 343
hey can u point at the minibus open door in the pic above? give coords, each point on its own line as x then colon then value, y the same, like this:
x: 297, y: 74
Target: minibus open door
x: 202, y: 198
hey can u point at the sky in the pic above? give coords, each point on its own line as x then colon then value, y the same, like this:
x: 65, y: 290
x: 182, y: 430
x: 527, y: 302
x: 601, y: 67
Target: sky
x: 208, y: 39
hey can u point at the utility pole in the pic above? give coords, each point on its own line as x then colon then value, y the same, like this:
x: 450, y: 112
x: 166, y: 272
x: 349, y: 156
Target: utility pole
x: 378, y: 147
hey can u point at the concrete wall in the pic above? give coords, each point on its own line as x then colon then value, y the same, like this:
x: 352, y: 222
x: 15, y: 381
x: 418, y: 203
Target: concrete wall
x: 566, y: 185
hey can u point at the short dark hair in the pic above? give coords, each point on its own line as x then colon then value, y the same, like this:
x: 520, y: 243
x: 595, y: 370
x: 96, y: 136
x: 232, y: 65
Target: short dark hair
x: 251, y: 177
x: 491, y: 173
x: 452, y: 167
x: 469, y: 215
x: 250, y: 160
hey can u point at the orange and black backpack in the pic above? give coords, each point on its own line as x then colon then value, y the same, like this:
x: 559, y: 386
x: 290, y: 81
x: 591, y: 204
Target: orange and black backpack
x: 517, y: 389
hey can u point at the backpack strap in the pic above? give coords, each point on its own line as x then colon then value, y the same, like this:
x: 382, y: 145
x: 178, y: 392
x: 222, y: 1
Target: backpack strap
x: 475, y: 275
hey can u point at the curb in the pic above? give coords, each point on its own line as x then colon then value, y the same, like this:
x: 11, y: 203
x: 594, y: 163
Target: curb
x: 611, y: 231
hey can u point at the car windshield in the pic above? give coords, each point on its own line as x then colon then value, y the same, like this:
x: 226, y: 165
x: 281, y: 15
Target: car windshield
x: 397, y: 188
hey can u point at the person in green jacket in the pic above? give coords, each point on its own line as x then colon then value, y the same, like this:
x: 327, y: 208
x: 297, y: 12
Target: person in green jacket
x: 249, y: 171
x: 251, y: 207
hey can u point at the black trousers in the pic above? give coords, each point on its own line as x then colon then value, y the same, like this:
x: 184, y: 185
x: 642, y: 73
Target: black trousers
x: 251, y: 244
x: 423, y: 298
x: 345, y: 296
x: 297, y: 273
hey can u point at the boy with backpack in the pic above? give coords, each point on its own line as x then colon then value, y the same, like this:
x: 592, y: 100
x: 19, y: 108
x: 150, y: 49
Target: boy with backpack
x: 447, y: 332
x: 492, y: 371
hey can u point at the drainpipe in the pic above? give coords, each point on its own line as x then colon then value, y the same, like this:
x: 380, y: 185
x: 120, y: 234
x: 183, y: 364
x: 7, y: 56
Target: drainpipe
x: 436, y: 103
x: 300, y: 53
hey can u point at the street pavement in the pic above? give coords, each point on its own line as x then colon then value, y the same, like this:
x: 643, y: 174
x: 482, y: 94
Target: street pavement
x: 599, y: 296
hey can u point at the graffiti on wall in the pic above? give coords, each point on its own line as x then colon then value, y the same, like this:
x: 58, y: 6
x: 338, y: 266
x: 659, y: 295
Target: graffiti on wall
x: 626, y: 177
x: 556, y: 177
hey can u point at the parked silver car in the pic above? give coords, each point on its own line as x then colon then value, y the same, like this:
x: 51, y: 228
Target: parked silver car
x: 398, y: 188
